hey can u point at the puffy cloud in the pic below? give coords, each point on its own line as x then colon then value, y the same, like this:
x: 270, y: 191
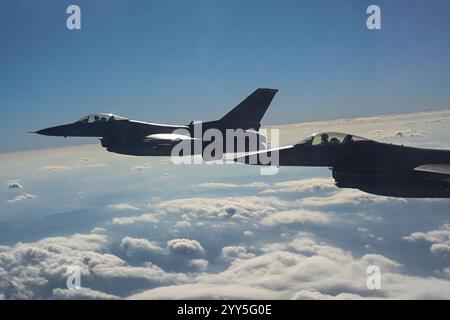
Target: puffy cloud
x: 40, y: 269
x: 256, y: 185
x: 224, y: 207
x: 347, y: 197
x: 149, y: 274
x: 182, y: 224
x: 80, y: 165
x: 303, y: 268
x: 439, y: 238
x: 248, y: 233
x: 300, y: 216
x: 81, y: 294
x: 14, y: 184
x: 135, y: 246
x: 22, y: 197
x: 204, y: 291
x: 440, y: 249
x: 316, y: 295
x: 231, y: 253
x: 82, y: 242
x: 306, y: 185
x: 199, y: 264
x: 121, y: 206
x: 186, y: 247
x: 34, y: 269
x: 146, y: 218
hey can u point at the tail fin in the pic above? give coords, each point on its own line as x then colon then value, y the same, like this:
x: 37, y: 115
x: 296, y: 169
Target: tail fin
x: 248, y: 113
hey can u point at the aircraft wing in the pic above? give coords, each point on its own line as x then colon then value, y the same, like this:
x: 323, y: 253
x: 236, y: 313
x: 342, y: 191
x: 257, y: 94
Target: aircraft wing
x: 163, y: 137
x: 434, y: 168
x: 282, y: 154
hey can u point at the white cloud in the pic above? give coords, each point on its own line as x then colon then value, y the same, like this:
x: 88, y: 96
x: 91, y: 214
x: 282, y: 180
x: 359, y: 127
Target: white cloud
x: 39, y: 269
x: 231, y: 253
x: 316, y: 295
x: 135, y: 246
x: 347, y: 197
x: 306, y: 185
x: 440, y: 249
x: 81, y: 294
x: 14, y: 184
x: 296, y: 216
x: 204, y: 291
x: 22, y: 197
x: 248, y: 233
x: 80, y: 165
x: 439, y: 238
x: 185, y: 247
x: 151, y: 274
x: 143, y: 218
x: 304, y: 268
x: 224, y: 207
x: 256, y: 185
x: 182, y: 224
x: 199, y: 264
x: 121, y: 206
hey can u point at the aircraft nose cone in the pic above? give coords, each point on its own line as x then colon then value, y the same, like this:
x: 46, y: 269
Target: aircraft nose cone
x: 54, y: 131
x: 46, y: 132
x: 43, y: 132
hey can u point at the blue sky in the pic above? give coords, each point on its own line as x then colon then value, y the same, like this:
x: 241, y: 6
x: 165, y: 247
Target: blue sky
x: 175, y: 61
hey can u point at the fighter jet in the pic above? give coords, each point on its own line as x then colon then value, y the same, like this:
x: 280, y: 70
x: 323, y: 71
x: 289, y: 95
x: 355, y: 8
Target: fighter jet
x: 130, y: 137
x: 373, y: 167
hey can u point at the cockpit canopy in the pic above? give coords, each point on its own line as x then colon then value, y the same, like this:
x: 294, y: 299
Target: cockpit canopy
x: 100, y: 117
x: 331, y: 138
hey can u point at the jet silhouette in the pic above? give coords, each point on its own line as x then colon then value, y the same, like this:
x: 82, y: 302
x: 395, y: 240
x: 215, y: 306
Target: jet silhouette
x: 130, y: 137
x: 371, y: 166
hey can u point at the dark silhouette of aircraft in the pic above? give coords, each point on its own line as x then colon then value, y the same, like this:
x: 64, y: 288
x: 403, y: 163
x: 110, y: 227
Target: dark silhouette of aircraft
x: 367, y: 165
x: 138, y: 138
